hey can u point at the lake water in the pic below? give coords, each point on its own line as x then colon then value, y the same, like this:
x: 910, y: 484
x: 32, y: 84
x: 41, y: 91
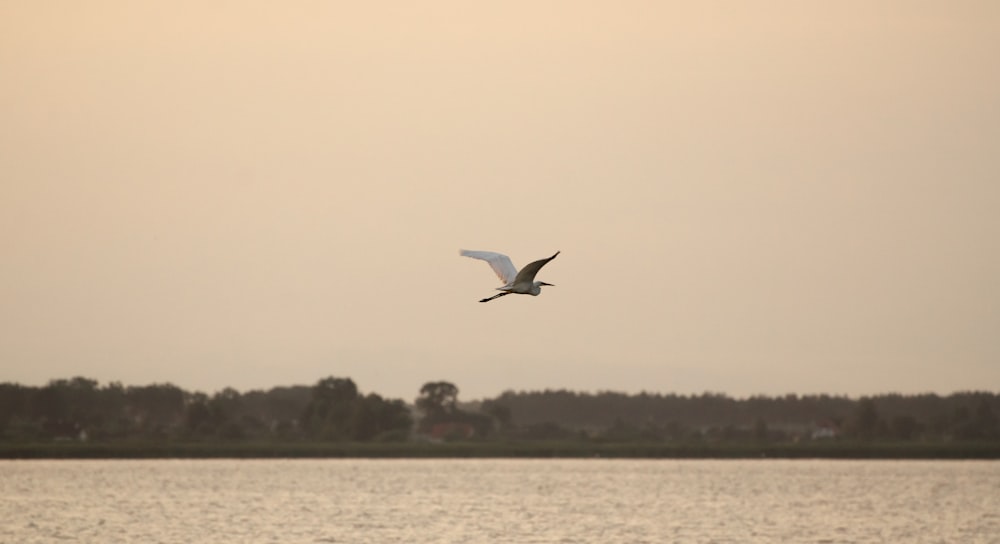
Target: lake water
x: 499, y: 500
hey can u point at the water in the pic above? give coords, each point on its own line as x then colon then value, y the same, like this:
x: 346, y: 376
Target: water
x: 517, y: 501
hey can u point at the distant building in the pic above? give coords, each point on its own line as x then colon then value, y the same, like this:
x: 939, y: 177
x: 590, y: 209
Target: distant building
x: 825, y: 431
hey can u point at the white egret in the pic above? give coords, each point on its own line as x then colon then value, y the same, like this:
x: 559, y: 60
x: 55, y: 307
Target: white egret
x: 521, y: 283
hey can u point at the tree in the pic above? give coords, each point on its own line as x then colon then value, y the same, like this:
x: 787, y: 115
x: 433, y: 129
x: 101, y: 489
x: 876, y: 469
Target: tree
x: 197, y: 416
x: 984, y: 420
x: 227, y: 406
x: 975, y: 425
x: 156, y: 408
x: 374, y: 417
x: 760, y: 430
x: 866, y: 420
x: 439, y: 403
x: 330, y: 407
x: 500, y: 413
x: 904, y: 427
x: 49, y: 402
x: 13, y: 404
x: 437, y: 398
x: 337, y: 411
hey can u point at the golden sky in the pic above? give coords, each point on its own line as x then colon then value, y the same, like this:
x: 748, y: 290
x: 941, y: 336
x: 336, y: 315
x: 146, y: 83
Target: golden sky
x: 749, y: 197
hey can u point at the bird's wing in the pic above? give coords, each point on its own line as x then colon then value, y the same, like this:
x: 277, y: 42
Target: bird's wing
x: 527, y: 274
x: 499, y: 262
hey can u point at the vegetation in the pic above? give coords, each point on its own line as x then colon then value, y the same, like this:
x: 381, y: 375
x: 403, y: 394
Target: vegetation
x: 494, y: 448
x: 968, y: 416
x: 332, y: 418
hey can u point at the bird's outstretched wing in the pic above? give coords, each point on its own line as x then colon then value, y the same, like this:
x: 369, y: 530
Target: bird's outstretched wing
x: 527, y: 274
x: 499, y: 262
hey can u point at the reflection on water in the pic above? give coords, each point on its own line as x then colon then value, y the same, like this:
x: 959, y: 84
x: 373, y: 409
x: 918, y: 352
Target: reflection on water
x: 588, y: 501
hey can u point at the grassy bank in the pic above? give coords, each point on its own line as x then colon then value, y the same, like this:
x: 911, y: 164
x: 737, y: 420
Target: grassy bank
x: 263, y: 450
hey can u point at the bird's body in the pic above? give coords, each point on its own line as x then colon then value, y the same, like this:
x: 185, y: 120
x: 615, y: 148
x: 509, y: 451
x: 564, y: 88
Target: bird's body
x: 520, y: 283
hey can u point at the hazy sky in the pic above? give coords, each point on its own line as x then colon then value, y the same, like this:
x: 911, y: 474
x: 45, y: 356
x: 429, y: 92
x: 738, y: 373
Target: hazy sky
x: 749, y: 197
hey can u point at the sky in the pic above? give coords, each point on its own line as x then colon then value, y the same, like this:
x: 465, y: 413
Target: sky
x: 750, y: 198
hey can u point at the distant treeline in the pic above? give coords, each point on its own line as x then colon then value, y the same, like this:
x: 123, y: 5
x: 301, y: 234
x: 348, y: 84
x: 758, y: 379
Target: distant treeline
x: 78, y: 409
x: 967, y: 416
x: 334, y: 411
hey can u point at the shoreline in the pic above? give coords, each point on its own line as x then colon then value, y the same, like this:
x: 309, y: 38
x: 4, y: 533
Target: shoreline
x: 514, y: 450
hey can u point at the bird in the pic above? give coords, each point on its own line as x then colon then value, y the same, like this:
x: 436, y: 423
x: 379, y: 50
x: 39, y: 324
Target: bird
x: 520, y: 283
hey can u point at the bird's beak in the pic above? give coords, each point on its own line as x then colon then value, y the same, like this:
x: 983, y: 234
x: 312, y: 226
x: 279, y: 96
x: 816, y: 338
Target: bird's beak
x: 543, y: 283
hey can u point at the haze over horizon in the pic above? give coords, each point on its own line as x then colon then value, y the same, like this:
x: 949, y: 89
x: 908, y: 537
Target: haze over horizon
x: 774, y: 198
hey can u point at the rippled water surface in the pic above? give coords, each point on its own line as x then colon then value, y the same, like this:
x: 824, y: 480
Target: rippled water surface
x: 586, y: 501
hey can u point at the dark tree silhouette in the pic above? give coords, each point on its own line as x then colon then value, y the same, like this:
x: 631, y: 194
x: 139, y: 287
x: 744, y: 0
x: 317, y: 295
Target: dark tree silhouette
x: 334, y: 409
x: 437, y: 398
x: 337, y: 411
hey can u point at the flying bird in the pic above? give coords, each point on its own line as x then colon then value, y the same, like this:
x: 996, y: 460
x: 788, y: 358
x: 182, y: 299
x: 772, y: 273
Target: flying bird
x: 521, y: 283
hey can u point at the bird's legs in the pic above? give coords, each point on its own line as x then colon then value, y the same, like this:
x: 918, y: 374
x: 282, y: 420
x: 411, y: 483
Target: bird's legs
x: 498, y: 295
